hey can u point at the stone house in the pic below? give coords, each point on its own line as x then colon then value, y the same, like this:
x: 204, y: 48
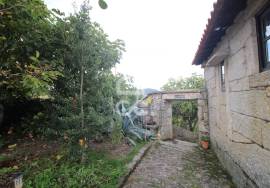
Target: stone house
x: 235, y: 54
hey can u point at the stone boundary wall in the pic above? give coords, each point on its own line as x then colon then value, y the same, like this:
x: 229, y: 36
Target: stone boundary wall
x: 161, y: 109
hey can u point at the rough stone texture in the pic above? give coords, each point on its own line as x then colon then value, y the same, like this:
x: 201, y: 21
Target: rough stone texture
x: 179, y: 164
x: 260, y: 80
x: 249, y: 127
x: 136, y: 160
x: 184, y: 134
x: 253, y: 103
x: 266, y: 135
x: 239, y: 117
x: 239, y: 85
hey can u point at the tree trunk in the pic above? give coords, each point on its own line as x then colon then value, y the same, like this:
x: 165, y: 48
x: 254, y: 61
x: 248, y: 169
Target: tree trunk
x: 81, y: 97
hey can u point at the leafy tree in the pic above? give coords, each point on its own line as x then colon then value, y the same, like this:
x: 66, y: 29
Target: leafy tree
x: 126, y: 91
x: 31, y: 49
x: 88, y: 85
x: 185, y: 112
x: 193, y: 82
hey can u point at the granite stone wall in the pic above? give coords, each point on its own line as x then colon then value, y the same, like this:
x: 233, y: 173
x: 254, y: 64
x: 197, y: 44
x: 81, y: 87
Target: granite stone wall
x: 239, y: 117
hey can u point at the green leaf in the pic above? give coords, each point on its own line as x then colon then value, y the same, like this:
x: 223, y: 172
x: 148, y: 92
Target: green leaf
x: 102, y: 4
x: 37, y: 54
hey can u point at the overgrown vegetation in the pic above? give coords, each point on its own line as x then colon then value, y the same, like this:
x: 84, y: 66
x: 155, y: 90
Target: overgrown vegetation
x: 58, y: 169
x: 55, y: 72
x: 56, y: 82
x: 185, y: 112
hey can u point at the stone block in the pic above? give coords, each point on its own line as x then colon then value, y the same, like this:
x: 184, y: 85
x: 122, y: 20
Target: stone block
x: 212, y: 117
x: 251, y: 54
x: 253, y: 160
x: 239, y: 34
x: 239, y: 85
x: 209, y: 73
x: 212, y: 102
x: 253, y: 103
x: 247, y: 126
x: 211, y: 83
x: 260, y: 79
x: 238, y: 175
x: 236, y: 137
x: 266, y: 136
x: 222, y: 119
x: 237, y: 66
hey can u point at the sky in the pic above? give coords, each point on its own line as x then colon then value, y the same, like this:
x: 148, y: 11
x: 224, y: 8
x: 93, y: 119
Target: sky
x: 161, y: 36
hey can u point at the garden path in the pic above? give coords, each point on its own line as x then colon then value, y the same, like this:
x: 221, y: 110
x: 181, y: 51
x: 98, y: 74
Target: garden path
x: 179, y: 164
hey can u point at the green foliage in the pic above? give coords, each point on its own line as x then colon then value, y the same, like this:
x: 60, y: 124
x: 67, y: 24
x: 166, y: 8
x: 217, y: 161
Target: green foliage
x: 125, y: 90
x: 185, y: 114
x: 205, y: 138
x: 6, y: 170
x: 193, y: 82
x: 117, y: 135
x: 99, y: 170
x: 88, y: 82
x: 31, y: 47
x: 67, y: 60
x: 102, y: 4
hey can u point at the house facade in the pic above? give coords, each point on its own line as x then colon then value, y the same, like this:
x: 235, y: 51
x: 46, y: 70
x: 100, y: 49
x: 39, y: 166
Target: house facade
x: 235, y: 54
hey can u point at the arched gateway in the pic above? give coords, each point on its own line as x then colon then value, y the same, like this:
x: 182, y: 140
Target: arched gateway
x: 159, y: 109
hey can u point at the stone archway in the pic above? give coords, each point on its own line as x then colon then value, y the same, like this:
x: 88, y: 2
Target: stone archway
x: 161, y: 109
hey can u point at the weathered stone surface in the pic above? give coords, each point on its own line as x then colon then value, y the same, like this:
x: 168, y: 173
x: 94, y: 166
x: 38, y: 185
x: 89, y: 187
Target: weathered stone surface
x: 212, y: 103
x: 178, y: 165
x: 260, y: 79
x: 251, y: 159
x: 239, y: 35
x: 237, y: 66
x: 266, y: 136
x: 251, y: 54
x: 236, y: 137
x: 254, y: 160
x: 211, y: 84
x: 239, y: 118
x: 192, y: 95
x: 239, y: 85
x: 212, y: 117
x: 247, y: 126
x: 253, y: 103
x: 184, y: 134
x: 238, y: 175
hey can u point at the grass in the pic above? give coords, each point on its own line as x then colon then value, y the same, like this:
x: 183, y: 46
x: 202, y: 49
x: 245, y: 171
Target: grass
x: 65, y: 169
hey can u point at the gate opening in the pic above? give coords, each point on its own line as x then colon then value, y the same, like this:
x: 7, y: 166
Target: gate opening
x: 185, y: 120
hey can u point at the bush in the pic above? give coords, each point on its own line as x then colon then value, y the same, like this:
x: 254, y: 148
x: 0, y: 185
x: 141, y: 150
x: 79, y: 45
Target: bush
x: 98, y: 171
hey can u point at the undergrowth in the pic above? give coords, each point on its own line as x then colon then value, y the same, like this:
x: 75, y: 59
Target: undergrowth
x: 99, y: 170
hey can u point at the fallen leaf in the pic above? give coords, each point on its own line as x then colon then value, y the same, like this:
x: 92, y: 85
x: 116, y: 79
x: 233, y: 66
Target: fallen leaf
x: 12, y: 146
x: 58, y: 157
x: 15, y: 167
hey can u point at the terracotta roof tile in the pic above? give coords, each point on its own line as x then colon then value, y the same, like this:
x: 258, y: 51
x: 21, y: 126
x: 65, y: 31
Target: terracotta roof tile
x: 222, y: 17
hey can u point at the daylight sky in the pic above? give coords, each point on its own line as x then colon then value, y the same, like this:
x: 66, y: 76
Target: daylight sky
x: 161, y: 36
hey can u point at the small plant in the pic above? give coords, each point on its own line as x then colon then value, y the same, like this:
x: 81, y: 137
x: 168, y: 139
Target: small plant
x: 117, y: 134
x: 205, y: 138
x: 205, y: 142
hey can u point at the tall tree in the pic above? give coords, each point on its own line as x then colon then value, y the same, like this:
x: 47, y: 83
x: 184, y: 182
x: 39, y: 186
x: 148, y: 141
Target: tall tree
x: 87, y: 71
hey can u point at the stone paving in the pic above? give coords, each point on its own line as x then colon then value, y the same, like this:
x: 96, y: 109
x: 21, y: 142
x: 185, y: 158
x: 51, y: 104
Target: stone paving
x: 179, y: 164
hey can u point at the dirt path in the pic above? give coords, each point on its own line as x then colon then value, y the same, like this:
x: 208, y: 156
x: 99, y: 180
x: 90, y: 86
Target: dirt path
x: 179, y: 165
